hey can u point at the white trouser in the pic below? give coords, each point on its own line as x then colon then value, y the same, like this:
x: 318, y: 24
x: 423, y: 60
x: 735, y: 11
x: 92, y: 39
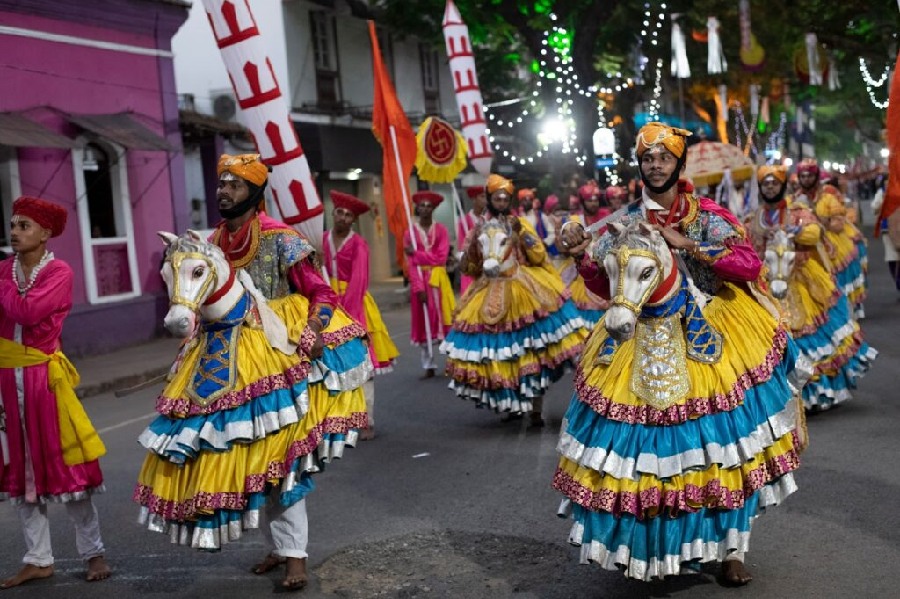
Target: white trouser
x: 36, y: 527
x: 287, y: 529
x: 427, y: 359
x: 369, y: 392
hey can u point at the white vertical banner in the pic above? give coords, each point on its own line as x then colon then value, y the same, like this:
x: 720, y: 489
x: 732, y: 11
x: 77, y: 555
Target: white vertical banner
x: 754, y: 99
x: 715, y: 61
x: 468, y: 93
x: 266, y: 113
x: 680, y: 67
x: 723, y: 96
x: 812, y: 59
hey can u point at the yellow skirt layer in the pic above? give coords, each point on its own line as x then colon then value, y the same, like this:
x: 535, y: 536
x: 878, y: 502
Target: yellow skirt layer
x: 383, y: 347
x: 811, y: 293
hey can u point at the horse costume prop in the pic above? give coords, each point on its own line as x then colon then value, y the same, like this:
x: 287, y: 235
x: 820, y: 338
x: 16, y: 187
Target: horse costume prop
x: 780, y: 257
x: 245, y: 414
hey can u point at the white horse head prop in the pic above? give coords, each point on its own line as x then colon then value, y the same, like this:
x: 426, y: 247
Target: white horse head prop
x: 780, y: 258
x: 200, y: 281
x: 636, y: 264
x: 498, y: 248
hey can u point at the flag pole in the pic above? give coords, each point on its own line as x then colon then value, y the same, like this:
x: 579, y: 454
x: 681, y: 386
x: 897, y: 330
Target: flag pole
x: 412, y: 236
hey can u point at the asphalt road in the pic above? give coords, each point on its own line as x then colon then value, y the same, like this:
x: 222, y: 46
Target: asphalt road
x: 448, y: 501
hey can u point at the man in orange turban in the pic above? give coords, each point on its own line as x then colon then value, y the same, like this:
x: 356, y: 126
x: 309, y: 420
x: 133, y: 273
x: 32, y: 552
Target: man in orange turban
x: 657, y: 137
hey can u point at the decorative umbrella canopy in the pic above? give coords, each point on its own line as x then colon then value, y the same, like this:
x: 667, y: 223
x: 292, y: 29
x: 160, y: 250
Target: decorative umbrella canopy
x: 707, y: 161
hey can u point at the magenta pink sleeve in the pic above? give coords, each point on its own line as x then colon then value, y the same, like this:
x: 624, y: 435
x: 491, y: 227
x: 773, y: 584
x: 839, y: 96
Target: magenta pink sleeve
x: 308, y: 282
x: 740, y: 263
x: 416, y: 283
x: 595, y: 278
x: 358, y: 283
x: 52, y: 293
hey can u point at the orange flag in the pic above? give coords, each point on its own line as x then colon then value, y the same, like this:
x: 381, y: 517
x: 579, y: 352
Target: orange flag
x: 399, y: 150
x: 892, y: 193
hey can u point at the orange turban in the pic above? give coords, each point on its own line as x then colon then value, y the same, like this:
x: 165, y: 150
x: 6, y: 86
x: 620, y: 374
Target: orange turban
x: 651, y: 134
x: 496, y: 183
x: 248, y: 167
x: 779, y: 172
x: 526, y: 194
x: 830, y: 205
x: 47, y: 214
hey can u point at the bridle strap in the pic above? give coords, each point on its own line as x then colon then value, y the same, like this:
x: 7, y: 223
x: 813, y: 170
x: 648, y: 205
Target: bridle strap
x: 177, y: 298
x: 217, y: 295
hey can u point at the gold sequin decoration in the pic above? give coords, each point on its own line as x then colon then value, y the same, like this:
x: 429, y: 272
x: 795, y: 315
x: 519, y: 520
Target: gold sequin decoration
x: 659, y: 374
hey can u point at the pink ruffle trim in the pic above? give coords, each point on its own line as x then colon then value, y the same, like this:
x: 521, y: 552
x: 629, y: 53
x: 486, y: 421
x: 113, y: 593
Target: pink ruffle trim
x: 694, y: 407
x: 181, y: 407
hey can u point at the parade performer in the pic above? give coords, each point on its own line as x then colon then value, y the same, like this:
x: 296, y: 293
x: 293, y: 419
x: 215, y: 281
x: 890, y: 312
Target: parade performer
x: 616, y: 197
x: 429, y: 285
x: 467, y: 224
x: 243, y: 425
x: 683, y: 426
x: 346, y: 258
x: 49, y: 447
x: 845, y: 243
x: 881, y: 210
x: 592, y: 199
x: 846, y: 247
x: 590, y: 305
x: 818, y: 313
x: 516, y: 330
x: 540, y: 222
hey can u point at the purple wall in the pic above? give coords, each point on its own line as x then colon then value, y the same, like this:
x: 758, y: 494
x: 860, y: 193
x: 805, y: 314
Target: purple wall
x: 47, y: 75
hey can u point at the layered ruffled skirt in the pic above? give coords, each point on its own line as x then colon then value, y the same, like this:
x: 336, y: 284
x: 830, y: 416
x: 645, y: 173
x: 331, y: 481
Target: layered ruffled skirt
x: 849, y: 264
x: 239, y: 419
x: 827, y: 334
x: 512, y: 337
x: 590, y: 306
x: 651, y: 488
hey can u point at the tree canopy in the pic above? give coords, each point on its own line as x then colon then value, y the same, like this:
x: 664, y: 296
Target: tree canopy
x: 607, y: 49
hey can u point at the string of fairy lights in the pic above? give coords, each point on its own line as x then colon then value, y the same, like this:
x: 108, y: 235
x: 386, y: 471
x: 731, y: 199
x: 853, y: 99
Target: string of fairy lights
x: 873, y: 84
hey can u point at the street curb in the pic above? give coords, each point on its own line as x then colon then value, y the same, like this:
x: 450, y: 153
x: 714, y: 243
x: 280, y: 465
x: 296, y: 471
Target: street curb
x: 118, y: 383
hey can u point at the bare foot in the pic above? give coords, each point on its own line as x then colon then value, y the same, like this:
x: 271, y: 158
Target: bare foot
x: 98, y: 569
x: 269, y: 563
x: 295, y: 577
x: 28, y: 572
x: 735, y: 573
x: 367, y: 434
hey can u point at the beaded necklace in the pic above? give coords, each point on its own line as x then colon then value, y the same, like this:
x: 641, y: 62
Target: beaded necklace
x: 17, y: 268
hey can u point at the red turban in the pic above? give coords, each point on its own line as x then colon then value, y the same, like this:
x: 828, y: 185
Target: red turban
x: 588, y: 190
x: 47, y: 214
x: 348, y: 202
x: 808, y: 165
x: 614, y: 191
x: 474, y: 192
x: 427, y: 196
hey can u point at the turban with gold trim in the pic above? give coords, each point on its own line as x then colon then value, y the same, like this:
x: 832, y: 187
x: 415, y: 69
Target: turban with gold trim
x: 47, y: 214
x: 777, y: 171
x: 497, y: 183
x: 672, y: 138
x: 248, y: 167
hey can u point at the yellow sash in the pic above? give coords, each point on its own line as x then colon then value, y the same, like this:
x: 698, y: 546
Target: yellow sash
x: 438, y: 278
x: 80, y: 442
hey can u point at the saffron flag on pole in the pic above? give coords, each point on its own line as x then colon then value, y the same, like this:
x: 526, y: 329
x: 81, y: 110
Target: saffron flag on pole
x: 266, y: 114
x: 399, y: 148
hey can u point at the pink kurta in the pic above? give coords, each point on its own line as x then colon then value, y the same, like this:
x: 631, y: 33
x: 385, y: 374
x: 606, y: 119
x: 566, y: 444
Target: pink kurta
x: 36, y: 471
x: 433, y: 247
x: 352, y: 262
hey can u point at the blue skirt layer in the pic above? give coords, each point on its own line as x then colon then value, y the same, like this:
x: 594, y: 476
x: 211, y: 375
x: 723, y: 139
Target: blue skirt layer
x: 727, y: 438
x: 181, y: 439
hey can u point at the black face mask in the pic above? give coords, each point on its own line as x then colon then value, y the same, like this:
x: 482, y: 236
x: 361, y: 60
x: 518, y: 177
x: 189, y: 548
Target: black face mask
x: 778, y: 196
x: 252, y: 201
x: 672, y: 180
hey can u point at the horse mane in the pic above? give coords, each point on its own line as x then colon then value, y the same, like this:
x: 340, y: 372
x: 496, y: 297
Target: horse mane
x: 632, y: 237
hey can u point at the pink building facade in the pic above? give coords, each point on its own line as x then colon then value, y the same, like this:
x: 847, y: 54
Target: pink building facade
x: 89, y: 119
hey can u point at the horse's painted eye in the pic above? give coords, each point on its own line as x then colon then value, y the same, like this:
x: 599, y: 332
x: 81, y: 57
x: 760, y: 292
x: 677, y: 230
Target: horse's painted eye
x: 647, y: 273
x: 503, y: 242
x: 198, y: 272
